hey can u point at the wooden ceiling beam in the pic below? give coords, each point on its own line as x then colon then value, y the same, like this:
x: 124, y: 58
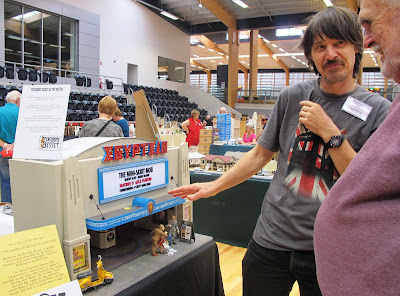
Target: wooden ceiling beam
x: 203, y: 68
x: 217, y: 10
x: 263, y: 46
x: 352, y: 4
x: 210, y: 44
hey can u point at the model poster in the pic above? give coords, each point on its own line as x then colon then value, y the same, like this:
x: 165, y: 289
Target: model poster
x: 80, y: 257
x: 41, y: 122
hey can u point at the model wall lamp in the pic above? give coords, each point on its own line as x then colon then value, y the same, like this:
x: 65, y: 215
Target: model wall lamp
x: 162, y: 11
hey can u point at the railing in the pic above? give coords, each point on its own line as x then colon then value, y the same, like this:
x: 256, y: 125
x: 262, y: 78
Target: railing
x: 258, y: 96
x: 66, y: 77
x: 219, y: 92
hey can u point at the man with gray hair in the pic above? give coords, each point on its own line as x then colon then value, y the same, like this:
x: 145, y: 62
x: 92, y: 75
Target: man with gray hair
x: 357, y: 242
x: 318, y: 127
x: 222, y: 110
x: 8, y: 126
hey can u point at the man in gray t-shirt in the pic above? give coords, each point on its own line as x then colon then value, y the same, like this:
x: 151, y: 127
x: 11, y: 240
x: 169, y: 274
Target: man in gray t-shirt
x: 318, y: 127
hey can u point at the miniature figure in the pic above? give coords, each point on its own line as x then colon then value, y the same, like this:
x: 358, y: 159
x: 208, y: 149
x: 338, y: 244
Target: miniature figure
x: 158, y: 239
x: 173, y: 229
x: 103, y: 277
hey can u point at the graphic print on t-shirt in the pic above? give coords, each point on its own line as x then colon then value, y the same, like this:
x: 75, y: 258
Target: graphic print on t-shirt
x: 311, y: 172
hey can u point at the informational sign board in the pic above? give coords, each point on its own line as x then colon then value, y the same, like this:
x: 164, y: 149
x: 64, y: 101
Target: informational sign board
x: 71, y: 288
x: 126, y: 180
x: 224, y: 126
x: 41, y: 122
x: 31, y: 261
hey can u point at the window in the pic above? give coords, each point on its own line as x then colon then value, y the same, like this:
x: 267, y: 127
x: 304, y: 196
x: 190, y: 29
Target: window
x: 36, y: 39
x: 171, y: 70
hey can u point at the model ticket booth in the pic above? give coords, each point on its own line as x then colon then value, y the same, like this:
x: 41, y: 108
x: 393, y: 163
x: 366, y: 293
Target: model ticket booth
x: 98, y: 185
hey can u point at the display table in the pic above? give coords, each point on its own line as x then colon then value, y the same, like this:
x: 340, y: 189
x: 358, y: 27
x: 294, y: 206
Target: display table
x: 174, y: 140
x: 230, y: 216
x: 6, y: 224
x: 192, y: 270
x: 222, y: 149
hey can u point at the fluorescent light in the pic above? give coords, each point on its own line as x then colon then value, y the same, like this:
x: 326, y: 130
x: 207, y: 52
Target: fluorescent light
x: 25, y: 15
x: 169, y: 15
x: 210, y: 49
x: 280, y: 49
x: 240, y: 3
x: 274, y: 45
x: 220, y: 63
x: 202, y: 46
x: 328, y: 3
x: 195, y: 55
x: 14, y: 37
x: 212, y: 61
x: 288, y: 32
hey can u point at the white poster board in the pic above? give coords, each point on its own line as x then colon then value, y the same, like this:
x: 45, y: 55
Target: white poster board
x: 41, y: 122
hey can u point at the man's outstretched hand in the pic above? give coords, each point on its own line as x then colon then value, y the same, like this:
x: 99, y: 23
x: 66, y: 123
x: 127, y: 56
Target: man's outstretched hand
x: 194, y: 191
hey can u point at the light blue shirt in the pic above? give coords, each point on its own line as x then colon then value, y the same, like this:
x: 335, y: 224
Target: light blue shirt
x: 8, y: 122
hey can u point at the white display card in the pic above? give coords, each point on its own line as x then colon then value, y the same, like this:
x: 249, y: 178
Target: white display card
x: 41, y: 122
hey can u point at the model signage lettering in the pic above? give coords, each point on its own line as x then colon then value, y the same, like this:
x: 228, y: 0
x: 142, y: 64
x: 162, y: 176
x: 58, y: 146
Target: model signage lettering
x: 130, y: 151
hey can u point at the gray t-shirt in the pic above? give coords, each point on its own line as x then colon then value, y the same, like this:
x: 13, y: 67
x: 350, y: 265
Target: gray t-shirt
x: 305, y: 171
x: 92, y: 127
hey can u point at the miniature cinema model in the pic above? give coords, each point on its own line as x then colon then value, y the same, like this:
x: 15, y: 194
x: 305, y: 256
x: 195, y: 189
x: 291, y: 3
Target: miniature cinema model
x: 99, y: 184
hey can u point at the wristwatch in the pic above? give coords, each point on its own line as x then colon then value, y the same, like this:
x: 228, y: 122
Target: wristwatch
x: 335, y: 141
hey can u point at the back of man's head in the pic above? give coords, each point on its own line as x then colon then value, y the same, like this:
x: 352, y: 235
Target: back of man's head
x: 13, y: 97
x: 335, y: 23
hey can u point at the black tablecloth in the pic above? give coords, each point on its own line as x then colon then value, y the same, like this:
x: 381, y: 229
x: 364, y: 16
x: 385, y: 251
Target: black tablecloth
x: 195, y: 274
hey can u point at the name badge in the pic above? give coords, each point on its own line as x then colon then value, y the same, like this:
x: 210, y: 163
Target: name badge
x: 357, y: 108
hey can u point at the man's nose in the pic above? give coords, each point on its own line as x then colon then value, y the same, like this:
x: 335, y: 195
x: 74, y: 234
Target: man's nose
x: 368, y: 40
x: 331, y: 53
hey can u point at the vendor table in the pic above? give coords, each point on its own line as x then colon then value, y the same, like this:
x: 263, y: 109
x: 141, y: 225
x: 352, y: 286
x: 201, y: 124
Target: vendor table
x: 230, y: 216
x: 192, y: 270
x: 222, y: 149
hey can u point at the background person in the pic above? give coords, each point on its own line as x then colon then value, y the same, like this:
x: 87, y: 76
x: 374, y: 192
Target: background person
x: 8, y: 126
x: 222, y: 110
x: 192, y: 127
x: 264, y: 123
x: 357, y: 244
x: 209, y: 121
x: 307, y: 127
x: 122, y: 122
x: 249, y: 136
x: 103, y: 126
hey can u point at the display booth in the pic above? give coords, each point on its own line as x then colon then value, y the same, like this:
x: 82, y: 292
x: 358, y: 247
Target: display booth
x: 98, y: 185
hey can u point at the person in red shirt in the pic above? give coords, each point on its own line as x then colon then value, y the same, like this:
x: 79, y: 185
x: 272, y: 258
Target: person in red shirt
x: 192, y: 127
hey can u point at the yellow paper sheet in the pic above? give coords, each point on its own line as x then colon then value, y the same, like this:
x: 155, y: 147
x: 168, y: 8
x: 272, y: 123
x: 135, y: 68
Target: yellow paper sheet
x: 31, y: 261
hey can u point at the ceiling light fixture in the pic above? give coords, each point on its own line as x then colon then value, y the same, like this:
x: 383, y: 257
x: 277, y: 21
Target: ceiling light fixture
x: 240, y: 3
x: 200, y: 5
x: 328, y: 3
x: 169, y: 15
x: 163, y: 12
